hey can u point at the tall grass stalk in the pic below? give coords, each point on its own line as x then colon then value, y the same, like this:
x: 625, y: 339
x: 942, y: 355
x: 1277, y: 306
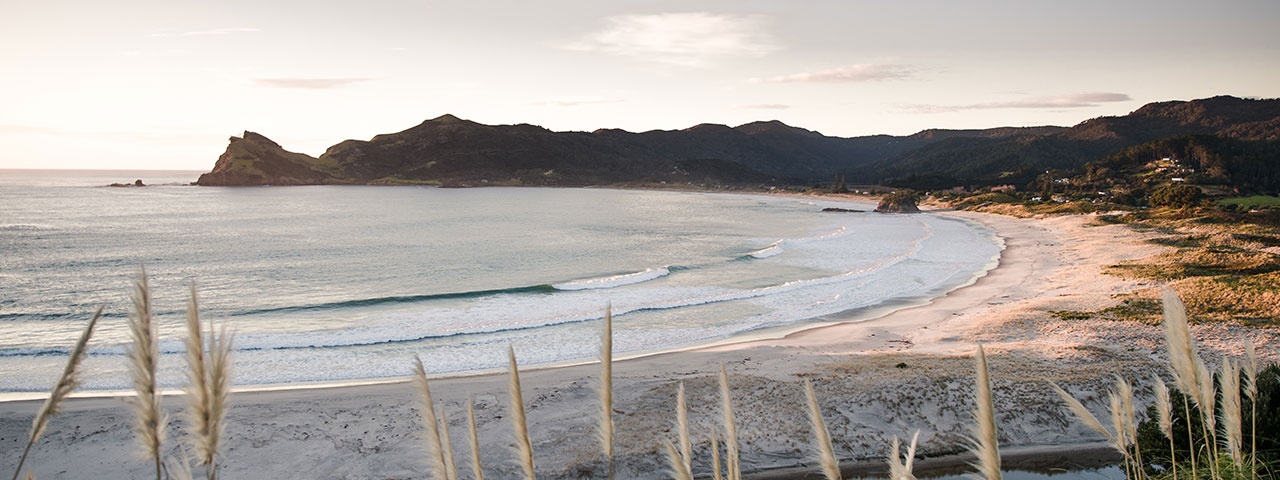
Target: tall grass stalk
x: 986, y: 441
x: 435, y: 449
x: 1250, y: 368
x: 900, y: 468
x: 477, y: 469
x: 524, y: 447
x: 1183, y: 361
x: 715, y: 456
x: 67, y: 383
x: 209, y: 386
x: 679, y: 470
x: 446, y: 441
x: 734, y: 469
x: 821, y: 438
x: 682, y: 427
x: 605, y: 431
x: 144, y: 358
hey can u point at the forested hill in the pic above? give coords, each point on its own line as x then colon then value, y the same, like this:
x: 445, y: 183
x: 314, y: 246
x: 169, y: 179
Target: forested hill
x: 1251, y: 126
x: 454, y: 152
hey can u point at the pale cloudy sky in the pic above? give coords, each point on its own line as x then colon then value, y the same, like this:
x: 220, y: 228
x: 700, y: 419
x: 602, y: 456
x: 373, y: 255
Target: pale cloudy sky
x: 163, y: 83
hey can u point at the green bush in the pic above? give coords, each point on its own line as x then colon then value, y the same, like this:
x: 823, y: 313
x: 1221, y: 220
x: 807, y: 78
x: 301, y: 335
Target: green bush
x: 1176, y: 196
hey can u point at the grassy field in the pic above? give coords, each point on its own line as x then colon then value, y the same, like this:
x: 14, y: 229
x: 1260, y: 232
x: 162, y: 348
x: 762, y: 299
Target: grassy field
x: 1256, y: 201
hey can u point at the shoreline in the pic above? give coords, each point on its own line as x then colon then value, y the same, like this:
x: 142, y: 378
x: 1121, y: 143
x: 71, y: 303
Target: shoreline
x: 877, y: 379
x: 771, y: 333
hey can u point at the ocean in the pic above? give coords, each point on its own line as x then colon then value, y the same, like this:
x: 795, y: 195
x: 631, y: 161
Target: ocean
x: 336, y: 284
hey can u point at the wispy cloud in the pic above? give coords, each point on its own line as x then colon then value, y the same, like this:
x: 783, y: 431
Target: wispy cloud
x: 862, y: 72
x: 17, y: 129
x: 201, y: 33
x: 219, y: 31
x: 766, y: 106
x: 1074, y: 100
x: 310, y: 83
x: 575, y: 101
x: 694, y: 39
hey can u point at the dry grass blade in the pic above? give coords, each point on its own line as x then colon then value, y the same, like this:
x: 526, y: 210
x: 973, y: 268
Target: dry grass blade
x: 730, y: 429
x: 144, y: 358
x: 716, y: 468
x: 1083, y: 413
x: 450, y: 469
x: 986, y: 442
x: 605, y: 430
x: 822, y: 439
x: 524, y: 446
x: 67, y: 383
x: 477, y: 469
x: 682, y: 427
x: 435, y: 450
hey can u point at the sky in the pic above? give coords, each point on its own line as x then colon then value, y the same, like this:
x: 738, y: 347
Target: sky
x: 162, y: 84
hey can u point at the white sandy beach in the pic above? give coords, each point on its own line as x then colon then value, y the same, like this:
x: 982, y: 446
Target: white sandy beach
x: 906, y: 371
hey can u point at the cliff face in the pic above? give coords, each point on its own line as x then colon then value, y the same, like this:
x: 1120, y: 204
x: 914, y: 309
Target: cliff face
x: 256, y: 160
x: 451, y: 151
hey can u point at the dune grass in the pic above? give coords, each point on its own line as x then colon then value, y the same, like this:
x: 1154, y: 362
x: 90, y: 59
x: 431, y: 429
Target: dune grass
x: 1220, y: 401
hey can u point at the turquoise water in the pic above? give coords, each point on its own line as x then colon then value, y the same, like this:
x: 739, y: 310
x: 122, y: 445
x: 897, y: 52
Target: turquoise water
x: 347, y: 283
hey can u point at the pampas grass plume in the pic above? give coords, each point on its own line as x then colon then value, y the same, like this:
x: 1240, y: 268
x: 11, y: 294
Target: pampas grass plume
x: 900, y: 467
x: 1182, y: 352
x: 435, y: 450
x: 144, y: 357
x: 679, y: 470
x: 986, y: 442
x: 822, y: 439
x: 209, y: 375
x: 524, y: 447
x: 67, y: 383
x: 1232, y: 418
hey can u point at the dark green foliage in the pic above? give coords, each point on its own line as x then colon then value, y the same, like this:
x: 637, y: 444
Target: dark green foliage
x: 1155, y: 446
x: 1176, y: 196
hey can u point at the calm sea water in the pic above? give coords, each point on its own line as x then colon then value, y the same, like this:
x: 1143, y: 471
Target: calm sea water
x: 343, y: 283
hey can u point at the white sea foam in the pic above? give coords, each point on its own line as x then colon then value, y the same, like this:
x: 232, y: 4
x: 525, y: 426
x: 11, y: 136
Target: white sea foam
x: 613, y: 281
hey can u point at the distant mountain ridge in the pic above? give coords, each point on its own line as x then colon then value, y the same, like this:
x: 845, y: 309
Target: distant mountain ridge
x: 987, y: 161
x: 451, y: 151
